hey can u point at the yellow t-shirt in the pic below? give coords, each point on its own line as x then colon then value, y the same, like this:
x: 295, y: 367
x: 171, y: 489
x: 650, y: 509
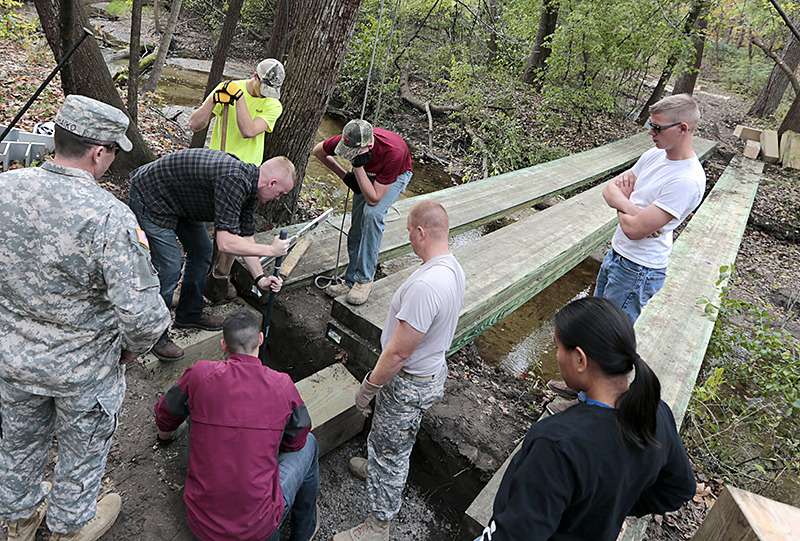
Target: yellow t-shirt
x: 248, y: 150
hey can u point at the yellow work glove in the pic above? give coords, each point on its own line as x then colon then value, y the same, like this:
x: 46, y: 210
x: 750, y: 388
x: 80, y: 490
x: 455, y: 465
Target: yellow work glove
x: 229, y: 92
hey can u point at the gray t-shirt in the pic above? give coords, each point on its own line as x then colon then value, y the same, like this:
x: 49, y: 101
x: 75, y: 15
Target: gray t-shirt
x: 430, y: 301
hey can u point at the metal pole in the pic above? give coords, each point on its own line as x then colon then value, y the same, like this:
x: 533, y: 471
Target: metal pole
x: 46, y: 82
x: 268, y: 317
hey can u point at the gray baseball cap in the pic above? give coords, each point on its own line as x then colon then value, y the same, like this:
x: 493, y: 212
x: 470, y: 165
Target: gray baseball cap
x: 94, y: 119
x: 270, y: 74
x: 356, y: 135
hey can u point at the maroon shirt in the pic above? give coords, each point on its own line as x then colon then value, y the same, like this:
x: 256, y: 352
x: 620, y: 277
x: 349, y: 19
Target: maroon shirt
x: 243, y: 413
x: 390, y: 156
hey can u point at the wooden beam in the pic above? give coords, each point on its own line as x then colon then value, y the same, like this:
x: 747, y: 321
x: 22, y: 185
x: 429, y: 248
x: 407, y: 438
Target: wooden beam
x: 745, y: 516
x: 769, y: 146
x: 553, y: 242
x: 329, y: 396
x: 474, y: 204
x: 673, y: 330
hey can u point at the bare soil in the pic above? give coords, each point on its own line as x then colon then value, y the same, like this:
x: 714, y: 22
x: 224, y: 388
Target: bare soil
x: 485, y: 412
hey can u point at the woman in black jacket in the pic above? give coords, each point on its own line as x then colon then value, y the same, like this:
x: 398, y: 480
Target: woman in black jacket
x: 617, y: 452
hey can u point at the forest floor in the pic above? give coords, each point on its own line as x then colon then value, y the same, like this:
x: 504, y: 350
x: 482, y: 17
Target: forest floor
x: 150, y: 478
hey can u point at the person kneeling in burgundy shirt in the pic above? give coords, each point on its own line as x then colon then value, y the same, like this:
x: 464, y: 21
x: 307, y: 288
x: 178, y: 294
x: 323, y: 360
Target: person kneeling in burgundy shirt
x: 252, y: 457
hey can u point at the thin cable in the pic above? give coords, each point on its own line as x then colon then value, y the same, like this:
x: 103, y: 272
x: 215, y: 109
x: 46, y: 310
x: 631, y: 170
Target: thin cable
x: 336, y: 278
x: 372, y: 61
x: 385, y: 64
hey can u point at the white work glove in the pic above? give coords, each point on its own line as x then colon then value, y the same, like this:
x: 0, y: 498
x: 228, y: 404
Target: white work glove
x: 364, y: 395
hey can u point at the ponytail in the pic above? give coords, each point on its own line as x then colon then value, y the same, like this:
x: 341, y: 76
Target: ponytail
x: 637, y: 408
x: 605, y: 333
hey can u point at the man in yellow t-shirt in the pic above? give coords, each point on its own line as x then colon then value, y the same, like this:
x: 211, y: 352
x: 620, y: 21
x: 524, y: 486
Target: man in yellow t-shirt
x: 244, y: 111
x: 242, y: 132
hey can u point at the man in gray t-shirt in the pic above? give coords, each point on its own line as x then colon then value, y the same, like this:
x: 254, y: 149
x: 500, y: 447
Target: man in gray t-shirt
x: 410, y: 373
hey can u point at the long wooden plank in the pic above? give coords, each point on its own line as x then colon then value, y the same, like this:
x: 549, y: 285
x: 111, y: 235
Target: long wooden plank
x: 552, y: 241
x: 476, y: 203
x: 710, y: 240
x: 673, y: 331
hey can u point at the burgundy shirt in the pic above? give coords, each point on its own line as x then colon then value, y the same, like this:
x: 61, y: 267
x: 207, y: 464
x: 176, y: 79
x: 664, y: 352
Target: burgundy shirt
x: 390, y: 156
x: 242, y: 414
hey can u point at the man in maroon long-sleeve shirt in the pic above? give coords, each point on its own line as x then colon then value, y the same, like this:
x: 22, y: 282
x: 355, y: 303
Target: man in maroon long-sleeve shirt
x: 252, y: 456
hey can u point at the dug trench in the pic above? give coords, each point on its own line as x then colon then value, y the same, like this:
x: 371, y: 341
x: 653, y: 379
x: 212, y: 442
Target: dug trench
x: 464, y: 437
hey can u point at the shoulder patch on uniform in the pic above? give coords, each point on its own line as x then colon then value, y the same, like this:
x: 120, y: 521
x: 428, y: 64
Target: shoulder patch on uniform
x: 142, y: 238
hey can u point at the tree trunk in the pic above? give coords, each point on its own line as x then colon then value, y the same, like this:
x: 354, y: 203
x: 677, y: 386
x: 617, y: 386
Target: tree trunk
x: 771, y: 95
x: 672, y: 61
x: 218, y: 62
x: 491, y: 43
x: 156, y: 17
x: 685, y: 83
x: 135, y: 58
x: 163, y: 47
x: 535, y: 67
x: 323, y: 27
x: 792, y: 119
x: 284, y: 28
x: 86, y: 73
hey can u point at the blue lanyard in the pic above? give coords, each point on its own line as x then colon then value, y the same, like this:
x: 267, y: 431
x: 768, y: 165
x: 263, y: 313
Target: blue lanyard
x: 591, y: 401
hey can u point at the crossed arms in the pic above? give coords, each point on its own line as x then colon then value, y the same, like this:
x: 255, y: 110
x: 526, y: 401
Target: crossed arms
x: 636, y: 223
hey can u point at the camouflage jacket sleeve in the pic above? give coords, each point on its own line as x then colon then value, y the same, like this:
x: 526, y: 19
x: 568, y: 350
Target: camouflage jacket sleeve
x: 132, y: 282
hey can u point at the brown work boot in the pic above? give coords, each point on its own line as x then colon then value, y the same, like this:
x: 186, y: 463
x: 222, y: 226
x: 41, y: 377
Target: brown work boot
x: 167, y: 351
x: 107, y: 511
x: 25, y: 529
x: 337, y: 290
x: 358, y: 467
x: 360, y: 293
x: 216, y: 289
x: 205, y: 322
x: 560, y: 388
x: 371, y: 530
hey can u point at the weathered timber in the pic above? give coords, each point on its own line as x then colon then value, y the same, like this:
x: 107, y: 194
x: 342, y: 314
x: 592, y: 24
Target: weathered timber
x: 745, y: 516
x: 329, y: 396
x: 197, y: 344
x: 673, y: 330
x: 752, y: 149
x: 746, y: 133
x: 553, y: 241
x: 361, y: 357
x: 790, y: 150
x: 769, y: 146
x: 474, y: 204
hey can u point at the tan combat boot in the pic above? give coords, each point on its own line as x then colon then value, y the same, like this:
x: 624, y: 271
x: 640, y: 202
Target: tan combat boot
x: 360, y: 293
x: 25, y: 529
x: 107, y: 511
x: 337, y: 290
x: 358, y: 467
x: 371, y: 530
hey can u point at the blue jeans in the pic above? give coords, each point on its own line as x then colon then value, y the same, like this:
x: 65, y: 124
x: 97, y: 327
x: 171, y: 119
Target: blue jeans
x: 628, y: 284
x: 166, y: 256
x: 299, y: 476
x: 366, y: 232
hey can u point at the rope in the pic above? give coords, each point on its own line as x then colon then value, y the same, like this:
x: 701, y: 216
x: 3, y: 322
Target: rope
x: 338, y: 278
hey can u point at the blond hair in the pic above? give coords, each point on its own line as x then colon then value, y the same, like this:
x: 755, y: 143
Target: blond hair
x: 279, y: 167
x: 430, y: 216
x: 678, y: 108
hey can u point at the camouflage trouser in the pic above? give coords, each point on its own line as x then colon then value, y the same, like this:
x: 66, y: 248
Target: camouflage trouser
x: 83, y: 426
x: 399, y: 407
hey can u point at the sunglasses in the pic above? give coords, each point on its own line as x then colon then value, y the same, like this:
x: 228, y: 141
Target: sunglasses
x: 114, y: 147
x: 658, y: 129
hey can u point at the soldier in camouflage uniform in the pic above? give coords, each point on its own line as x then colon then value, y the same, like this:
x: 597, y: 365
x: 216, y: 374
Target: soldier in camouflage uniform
x: 410, y: 373
x: 78, y: 299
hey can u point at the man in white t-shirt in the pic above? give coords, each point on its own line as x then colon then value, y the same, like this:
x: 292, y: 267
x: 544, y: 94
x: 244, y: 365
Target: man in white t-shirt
x: 410, y: 373
x: 652, y: 199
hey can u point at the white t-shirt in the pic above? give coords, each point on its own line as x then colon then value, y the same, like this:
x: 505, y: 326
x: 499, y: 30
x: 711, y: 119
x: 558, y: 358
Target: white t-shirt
x: 675, y: 187
x: 430, y: 301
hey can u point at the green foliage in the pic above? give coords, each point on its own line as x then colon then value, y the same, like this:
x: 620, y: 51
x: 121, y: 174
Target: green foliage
x: 119, y: 8
x: 736, y: 69
x: 747, y: 410
x: 12, y: 26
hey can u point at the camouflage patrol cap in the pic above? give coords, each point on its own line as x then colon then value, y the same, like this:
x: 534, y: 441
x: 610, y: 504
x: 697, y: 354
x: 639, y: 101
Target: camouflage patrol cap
x: 94, y: 119
x: 356, y: 135
x: 270, y: 74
